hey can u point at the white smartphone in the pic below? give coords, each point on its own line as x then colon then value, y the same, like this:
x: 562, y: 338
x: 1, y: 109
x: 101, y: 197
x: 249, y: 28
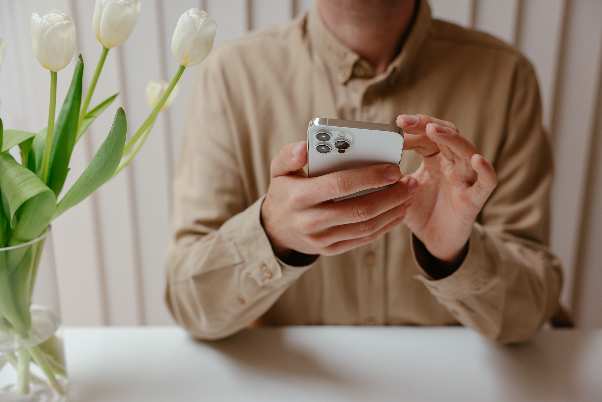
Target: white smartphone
x: 334, y: 145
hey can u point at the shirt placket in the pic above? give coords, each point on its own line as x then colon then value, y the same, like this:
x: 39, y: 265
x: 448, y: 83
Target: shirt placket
x: 372, y: 269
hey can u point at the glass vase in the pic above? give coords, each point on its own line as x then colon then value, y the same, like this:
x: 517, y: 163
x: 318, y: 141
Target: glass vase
x: 32, y: 360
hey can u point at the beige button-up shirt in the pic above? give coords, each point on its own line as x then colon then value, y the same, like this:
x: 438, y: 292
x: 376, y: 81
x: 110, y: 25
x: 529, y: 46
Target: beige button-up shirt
x: 259, y: 93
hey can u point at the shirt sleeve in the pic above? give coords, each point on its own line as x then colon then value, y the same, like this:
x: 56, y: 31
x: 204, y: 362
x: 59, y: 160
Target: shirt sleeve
x: 222, y: 272
x: 509, y: 283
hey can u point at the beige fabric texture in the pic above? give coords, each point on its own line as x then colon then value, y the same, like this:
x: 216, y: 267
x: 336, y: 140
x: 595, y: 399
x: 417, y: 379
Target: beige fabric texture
x: 257, y: 94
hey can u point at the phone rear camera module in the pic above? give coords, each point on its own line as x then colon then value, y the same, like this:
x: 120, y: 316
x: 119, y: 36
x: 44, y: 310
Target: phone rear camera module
x: 323, y: 136
x: 342, y: 145
x: 323, y: 148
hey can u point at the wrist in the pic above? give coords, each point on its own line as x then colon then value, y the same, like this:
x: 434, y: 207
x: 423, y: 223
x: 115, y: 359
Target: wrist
x: 283, y: 253
x: 264, y: 219
x: 435, y: 266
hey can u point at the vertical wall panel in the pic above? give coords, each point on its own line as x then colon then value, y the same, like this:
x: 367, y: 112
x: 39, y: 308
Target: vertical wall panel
x: 457, y: 11
x: 539, y: 38
x: 231, y: 16
x: 588, y: 297
x: 573, y: 128
x: 498, y: 18
x: 13, y: 84
x: 141, y: 62
x: 115, y: 229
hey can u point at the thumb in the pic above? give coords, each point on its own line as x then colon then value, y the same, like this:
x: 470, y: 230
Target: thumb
x: 291, y: 158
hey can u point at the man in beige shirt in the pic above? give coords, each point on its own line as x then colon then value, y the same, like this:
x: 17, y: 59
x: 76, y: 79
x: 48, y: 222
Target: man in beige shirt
x: 461, y: 236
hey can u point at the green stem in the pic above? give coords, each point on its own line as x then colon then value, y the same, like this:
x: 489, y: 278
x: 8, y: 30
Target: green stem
x: 37, y: 250
x: 97, y: 71
x: 50, y: 130
x: 40, y: 359
x: 137, y: 140
x: 23, y: 373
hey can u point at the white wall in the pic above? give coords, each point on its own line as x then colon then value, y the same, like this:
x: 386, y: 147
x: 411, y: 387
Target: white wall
x: 110, y: 251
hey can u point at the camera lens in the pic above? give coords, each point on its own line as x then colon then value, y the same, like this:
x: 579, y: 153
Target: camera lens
x: 341, y: 145
x: 323, y: 148
x: 323, y: 136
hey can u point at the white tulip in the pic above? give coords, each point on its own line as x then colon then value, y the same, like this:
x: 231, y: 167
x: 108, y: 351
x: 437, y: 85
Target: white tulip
x: 154, y: 91
x: 114, y: 20
x: 193, y: 37
x: 53, y: 39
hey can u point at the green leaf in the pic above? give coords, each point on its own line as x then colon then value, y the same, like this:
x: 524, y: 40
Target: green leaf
x: 30, y: 204
x: 1, y: 137
x: 66, y: 132
x: 54, y: 351
x: 93, y: 114
x: 9, y: 307
x: 25, y: 152
x: 39, y: 142
x: 12, y: 138
x: 4, y: 224
x: 102, y: 166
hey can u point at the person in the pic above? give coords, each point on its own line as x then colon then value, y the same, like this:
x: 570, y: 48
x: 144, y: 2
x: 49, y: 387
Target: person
x: 461, y: 235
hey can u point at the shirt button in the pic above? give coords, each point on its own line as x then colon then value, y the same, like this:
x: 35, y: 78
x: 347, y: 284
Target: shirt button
x: 267, y: 274
x: 370, y: 258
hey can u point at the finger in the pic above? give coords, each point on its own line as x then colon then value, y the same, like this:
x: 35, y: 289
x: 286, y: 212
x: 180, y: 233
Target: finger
x: 451, y: 139
x: 362, y: 229
x: 414, y: 127
x: 347, y: 245
x: 486, y: 178
x: 421, y: 144
x: 416, y: 123
x: 346, y: 182
x: 362, y: 208
x: 290, y: 159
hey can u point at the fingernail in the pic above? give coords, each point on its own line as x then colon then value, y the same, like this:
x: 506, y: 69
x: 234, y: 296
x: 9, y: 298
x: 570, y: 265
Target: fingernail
x: 412, y: 184
x: 441, y: 130
x: 392, y: 173
x: 410, y: 120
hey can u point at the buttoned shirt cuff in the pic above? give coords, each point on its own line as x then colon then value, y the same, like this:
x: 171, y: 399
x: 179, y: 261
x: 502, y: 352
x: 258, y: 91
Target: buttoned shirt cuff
x: 255, y: 250
x: 475, y: 275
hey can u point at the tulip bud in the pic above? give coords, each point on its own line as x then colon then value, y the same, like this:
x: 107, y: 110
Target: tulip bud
x: 114, y: 20
x: 193, y: 37
x: 53, y: 39
x: 154, y: 91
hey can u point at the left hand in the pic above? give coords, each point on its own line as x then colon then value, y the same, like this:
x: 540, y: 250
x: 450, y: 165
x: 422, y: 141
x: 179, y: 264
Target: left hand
x: 454, y: 184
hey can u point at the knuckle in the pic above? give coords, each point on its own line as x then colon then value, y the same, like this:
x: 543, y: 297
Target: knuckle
x: 306, y: 225
x: 296, y: 196
x: 329, y: 251
x: 360, y: 213
x: 343, y: 184
x: 367, y: 227
x: 315, y: 242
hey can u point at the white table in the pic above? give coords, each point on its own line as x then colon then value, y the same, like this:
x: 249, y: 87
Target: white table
x: 331, y: 364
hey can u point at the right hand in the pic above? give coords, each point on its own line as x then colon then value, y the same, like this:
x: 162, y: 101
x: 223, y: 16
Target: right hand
x: 297, y: 213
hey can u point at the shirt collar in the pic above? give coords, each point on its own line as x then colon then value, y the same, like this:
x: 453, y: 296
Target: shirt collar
x: 346, y: 64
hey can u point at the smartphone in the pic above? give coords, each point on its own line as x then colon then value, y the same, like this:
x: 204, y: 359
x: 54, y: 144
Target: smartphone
x: 334, y: 145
